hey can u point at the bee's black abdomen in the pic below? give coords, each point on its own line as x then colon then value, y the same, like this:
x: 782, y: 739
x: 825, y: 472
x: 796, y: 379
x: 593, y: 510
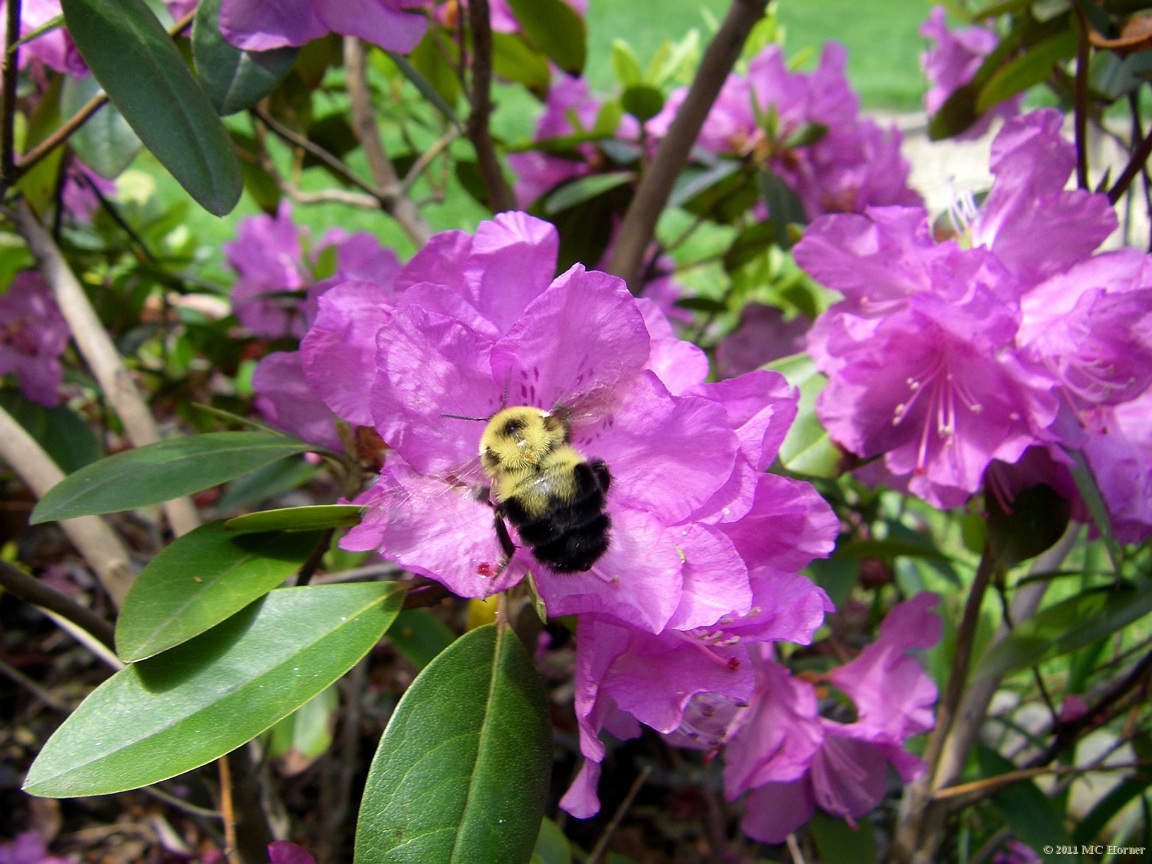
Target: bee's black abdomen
x: 574, y: 533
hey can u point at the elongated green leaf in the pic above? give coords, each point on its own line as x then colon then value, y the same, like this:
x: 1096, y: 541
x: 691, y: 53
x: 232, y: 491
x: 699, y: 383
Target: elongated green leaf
x: 1068, y: 625
x: 311, y: 518
x: 1033, y: 816
x: 234, y: 79
x: 585, y: 189
x: 556, y: 29
x: 461, y: 773
x: 162, y: 471
x: 201, y: 579
x: 172, y: 713
x: 1037, y: 520
x: 105, y: 143
x: 306, y: 734
x: 420, y: 636
x: 1023, y: 72
x: 138, y: 65
x: 841, y: 843
x: 552, y: 847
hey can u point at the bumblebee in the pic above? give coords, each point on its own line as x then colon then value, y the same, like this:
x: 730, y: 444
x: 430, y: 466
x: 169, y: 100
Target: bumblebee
x: 546, y: 488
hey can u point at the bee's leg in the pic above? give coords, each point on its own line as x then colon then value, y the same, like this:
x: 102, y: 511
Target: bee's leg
x: 600, y: 471
x: 505, y: 538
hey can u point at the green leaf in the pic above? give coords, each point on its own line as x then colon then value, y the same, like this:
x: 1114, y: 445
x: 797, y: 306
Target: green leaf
x: 420, y: 636
x: 807, y: 449
x: 625, y: 64
x: 552, y: 847
x: 1023, y: 72
x: 749, y: 244
x: 642, y: 101
x: 515, y: 60
x: 462, y: 771
x: 556, y: 29
x: 584, y: 189
x: 232, y: 78
x: 306, y: 734
x: 264, y: 483
x: 841, y: 843
x: 1069, y: 625
x: 39, y: 185
x: 199, y: 580
x: 162, y: 471
x: 1033, y: 817
x: 105, y: 143
x: 140, y: 68
x: 1092, y: 826
x: 314, y: 517
x: 177, y: 711
x: 784, y: 205
x: 432, y: 73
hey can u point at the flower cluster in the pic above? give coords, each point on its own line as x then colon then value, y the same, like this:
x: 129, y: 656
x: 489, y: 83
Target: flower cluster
x: 945, y: 357
x: 704, y: 547
x: 33, y: 335
x: 276, y: 289
x: 953, y: 62
x: 807, y: 129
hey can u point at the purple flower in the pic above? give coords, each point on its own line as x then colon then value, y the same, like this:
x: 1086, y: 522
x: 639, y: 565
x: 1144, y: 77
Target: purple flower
x: 33, y: 335
x: 763, y: 335
x: 269, y: 295
x: 704, y: 549
x: 255, y: 25
x: 283, y: 852
x: 1120, y: 456
x: 952, y: 63
x: 28, y: 848
x: 807, y: 129
x: 792, y: 760
x: 53, y: 49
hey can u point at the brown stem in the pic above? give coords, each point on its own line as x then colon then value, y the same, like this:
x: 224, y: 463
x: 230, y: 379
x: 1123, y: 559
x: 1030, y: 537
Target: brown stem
x: 33, y: 591
x: 8, y: 75
x: 1134, y: 166
x: 499, y: 192
x: 98, y: 351
x: 395, y: 201
x: 639, y: 223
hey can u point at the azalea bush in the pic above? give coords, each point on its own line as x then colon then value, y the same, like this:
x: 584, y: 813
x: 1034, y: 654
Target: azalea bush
x: 871, y: 486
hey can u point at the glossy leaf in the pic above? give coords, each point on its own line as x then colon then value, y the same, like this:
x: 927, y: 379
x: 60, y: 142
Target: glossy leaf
x: 642, y: 101
x: 807, y: 449
x: 513, y: 59
x: 556, y: 29
x: 1028, y: 70
x: 585, y: 189
x: 105, y: 143
x: 311, y: 518
x: 1037, y: 520
x: 162, y: 471
x: 140, y: 68
x: 552, y: 847
x: 841, y: 843
x: 174, y: 712
x: 1032, y: 815
x: 232, y: 78
x: 420, y: 636
x: 461, y: 773
x: 1067, y: 626
x: 199, y: 580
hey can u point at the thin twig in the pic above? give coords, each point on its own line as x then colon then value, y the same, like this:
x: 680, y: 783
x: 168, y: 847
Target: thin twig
x: 345, y: 197
x: 425, y: 159
x: 396, y: 203
x: 500, y: 195
x: 1080, y: 100
x: 98, y: 351
x: 34, y: 688
x: 226, y: 812
x: 639, y: 223
x: 68, y: 128
x: 35, y: 592
x: 602, y: 844
x: 9, y: 63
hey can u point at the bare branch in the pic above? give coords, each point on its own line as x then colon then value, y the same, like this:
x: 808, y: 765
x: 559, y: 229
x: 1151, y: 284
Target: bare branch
x: 499, y: 192
x: 639, y: 224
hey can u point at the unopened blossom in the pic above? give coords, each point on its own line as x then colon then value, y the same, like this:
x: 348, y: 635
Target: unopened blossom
x: 952, y: 63
x: 256, y: 25
x: 807, y: 128
x: 33, y: 335
x: 791, y: 759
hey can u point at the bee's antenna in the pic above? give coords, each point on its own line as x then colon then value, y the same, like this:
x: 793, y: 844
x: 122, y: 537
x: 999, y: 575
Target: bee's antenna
x: 462, y: 417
